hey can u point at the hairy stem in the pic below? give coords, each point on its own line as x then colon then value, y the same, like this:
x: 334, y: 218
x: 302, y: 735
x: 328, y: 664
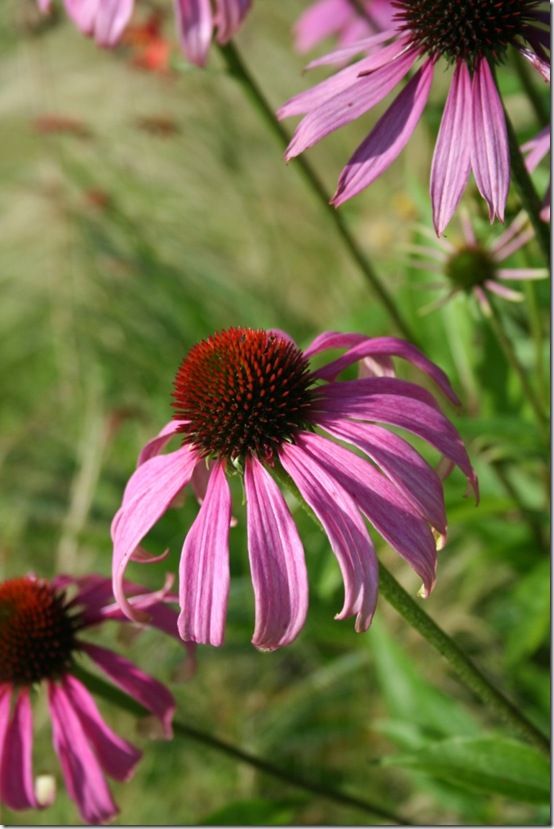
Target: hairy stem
x: 469, y: 675
x: 181, y: 729
x: 238, y: 70
x: 527, y: 193
x: 497, y: 325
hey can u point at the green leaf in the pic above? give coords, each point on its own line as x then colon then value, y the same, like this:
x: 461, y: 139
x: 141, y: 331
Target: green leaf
x: 492, y: 765
x: 254, y: 812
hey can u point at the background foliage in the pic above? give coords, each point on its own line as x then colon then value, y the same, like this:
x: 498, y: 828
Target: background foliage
x: 161, y: 213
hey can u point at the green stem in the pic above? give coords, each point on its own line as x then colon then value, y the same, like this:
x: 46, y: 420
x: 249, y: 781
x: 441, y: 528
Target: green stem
x: 527, y: 193
x: 535, y: 98
x: 497, y: 325
x: 468, y: 674
x: 181, y: 729
x: 238, y: 69
x: 533, y: 523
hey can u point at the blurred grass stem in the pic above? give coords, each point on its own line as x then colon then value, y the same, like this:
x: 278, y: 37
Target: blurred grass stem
x: 238, y: 70
x: 181, y: 729
x: 497, y: 325
x: 468, y: 674
x: 527, y: 84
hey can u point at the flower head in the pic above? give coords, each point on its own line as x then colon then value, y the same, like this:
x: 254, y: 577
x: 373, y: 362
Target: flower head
x: 471, y: 37
x: 40, y: 640
x: 197, y: 20
x: 476, y: 266
x: 248, y: 402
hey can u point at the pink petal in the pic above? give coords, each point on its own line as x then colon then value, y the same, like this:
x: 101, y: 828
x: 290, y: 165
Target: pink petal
x: 351, y: 49
x: 139, y: 686
x: 400, y: 462
x: 522, y: 273
x: 112, y: 18
x: 204, y: 567
x: 349, y: 104
x: 490, y: 157
x: 117, y: 757
x: 319, y: 21
x: 389, y: 512
x: 388, y: 138
x: 341, y: 520
x: 367, y: 387
x: 503, y: 291
x: 276, y: 561
x: 360, y: 347
x: 82, y: 773
x: 407, y: 411
x: 44, y: 5
x: 16, y: 778
x: 148, y: 495
x: 155, y: 446
x: 83, y: 13
x: 195, y: 28
x: 229, y: 16
x: 451, y: 158
x: 536, y: 149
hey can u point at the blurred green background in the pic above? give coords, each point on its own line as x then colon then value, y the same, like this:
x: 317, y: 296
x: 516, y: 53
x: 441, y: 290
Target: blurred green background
x: 140, y: 212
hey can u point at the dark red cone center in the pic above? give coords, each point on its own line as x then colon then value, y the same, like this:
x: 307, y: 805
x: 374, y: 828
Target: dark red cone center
x: 37, y: 634
x: 243, y: 392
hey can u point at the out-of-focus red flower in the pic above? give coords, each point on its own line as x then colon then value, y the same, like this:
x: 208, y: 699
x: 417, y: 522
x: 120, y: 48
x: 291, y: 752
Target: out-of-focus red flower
x: 150, y: 49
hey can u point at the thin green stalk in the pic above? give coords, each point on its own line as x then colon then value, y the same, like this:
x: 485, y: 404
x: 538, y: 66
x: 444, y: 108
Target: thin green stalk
x: 537, y: 332
x: 469, y: 675
x: 497, y: 325
x: 535, y: 98
x: 238, y: 70
x: 181, y: 729
x: 531, y: 519
x: 527, y: 193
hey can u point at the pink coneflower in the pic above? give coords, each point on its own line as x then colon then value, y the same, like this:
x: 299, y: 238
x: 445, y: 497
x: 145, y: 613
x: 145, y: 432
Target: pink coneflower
x: 40, y: 639
x: 197, y: 21
x: 535, y: 150
x: 248, y: 404
x: 341, y: 19
x: 472, y: 36
x: 476, y: 266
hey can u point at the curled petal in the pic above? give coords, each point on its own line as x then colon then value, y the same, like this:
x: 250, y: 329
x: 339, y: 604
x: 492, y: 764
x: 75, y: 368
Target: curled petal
x: 82, y: 772
x: 451, y: 158
x: 346, y: 531
x: 204, y: 568
x: 147, y: 497
x: 276, y: 561
x: 388, y: 138
x: 155, y: 446
x: 490, y: 157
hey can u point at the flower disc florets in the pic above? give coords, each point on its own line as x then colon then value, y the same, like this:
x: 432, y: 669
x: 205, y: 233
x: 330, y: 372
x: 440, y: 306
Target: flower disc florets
x: 37, y: 633
x: 469, y: 267
x: 465, y: 30
x: 243, y: 392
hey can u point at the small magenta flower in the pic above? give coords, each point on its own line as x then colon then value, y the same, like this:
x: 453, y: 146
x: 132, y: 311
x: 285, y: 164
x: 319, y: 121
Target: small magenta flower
x: 476, y: 266
x: 197, y: 20
x: 247, y: 402
x: 40, y: 638
x: 472, y: 36
x: 342, y: 20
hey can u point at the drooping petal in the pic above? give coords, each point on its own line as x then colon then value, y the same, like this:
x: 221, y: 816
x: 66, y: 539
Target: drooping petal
x: 490, y: 157
x: 204, y: 567
x: 139, y: 686
x: 388, y: 138
x: 363, y: 94
x: 358, y: 47
x: 117, y: 757
x: 360, y: 347
x: 400, y: 462
x: 104, y: 20
x: 536, y: 149
x: 195, y: 27
x: 522, y: 273
x: 451, y: 159
x: 148, y: 495
x: 385, y: 507
x: 155, y: 446
x: 408, y: 412
x: 16, y: 775
x: 320, y: 20
x: 503, y: 291
x: 346, y: 531
x: 229, y: 16
x: 276, y: 561
x: 82, y: 773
